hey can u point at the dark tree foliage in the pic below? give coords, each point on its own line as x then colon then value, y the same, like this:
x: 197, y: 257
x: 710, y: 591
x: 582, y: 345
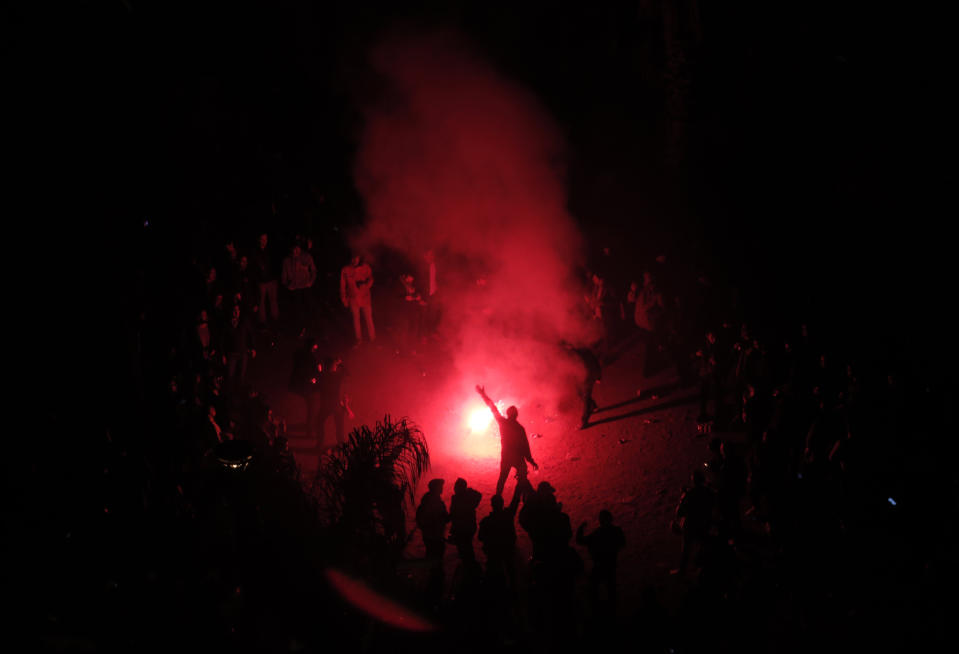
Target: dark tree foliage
x: 363, y: 486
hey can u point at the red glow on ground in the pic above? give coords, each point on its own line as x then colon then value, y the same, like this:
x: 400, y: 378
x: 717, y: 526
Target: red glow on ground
x: 376, y: 605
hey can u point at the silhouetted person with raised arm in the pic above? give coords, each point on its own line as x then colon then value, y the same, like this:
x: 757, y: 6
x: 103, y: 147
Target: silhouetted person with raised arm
x: 463, y: 506
x: 603, y: 545
x: 514, y: 451
x: 431, y: 518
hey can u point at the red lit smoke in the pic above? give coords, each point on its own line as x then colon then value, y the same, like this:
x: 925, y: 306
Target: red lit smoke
x: 456, y: 158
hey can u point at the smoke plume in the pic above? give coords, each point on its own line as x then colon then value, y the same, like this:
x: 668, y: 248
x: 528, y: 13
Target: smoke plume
x: 458, y: 159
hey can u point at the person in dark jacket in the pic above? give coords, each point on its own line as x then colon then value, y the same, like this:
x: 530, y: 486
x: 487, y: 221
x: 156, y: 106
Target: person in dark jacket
x: 266, y: 279
x: 603, y: 545
x: 238, y: 347
x: 246, y: 286
x: 299, y: 274
x: 463, y: 506
x: 431, y: 518
x: 694, y: 515
x: 414, y: 313
x: 497, y: 533
x: 547, y: 524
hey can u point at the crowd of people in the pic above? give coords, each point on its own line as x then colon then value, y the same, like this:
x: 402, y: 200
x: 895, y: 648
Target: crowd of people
x: 495, y: 597
x: 791, y: 460
x: 237, y: 310
x: 808, y: 438
x: 807, y: 485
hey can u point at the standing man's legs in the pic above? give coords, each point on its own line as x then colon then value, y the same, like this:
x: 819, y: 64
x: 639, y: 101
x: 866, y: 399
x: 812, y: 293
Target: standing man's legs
x: 368, y: 315
x: 589, y: 405
x: 522, y: 473
x: 504, y: 468
x: 357, y: 331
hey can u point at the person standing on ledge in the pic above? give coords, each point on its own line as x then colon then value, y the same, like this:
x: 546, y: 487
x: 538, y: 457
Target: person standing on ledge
x: 515, y: 446
x: 356, y: 279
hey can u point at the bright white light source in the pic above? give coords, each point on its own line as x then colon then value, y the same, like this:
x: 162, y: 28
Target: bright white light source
x: 480, y: 419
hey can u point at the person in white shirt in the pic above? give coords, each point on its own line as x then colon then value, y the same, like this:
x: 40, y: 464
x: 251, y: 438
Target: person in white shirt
x: 356, y: 279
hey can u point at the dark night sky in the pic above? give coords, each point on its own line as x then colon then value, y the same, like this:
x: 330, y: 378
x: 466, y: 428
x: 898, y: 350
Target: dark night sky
x: 809, y: 124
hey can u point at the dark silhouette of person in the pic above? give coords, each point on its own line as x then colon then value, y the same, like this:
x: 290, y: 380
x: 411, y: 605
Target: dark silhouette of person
x: 548, y: 527
x: 414, y: 315
x: 514, y: 451
x: 594, y: 373
x: 331, y: 402
x: 694, y: 513
x: 603, y: 545
x: 431, y: 518
x: 303, y: 379
x: 238, y: 347
x: 729, y: 480
x: 554, y: 563
x: 265, y: 274
x: 497, y: 533
x: 709, y: 376
x: 463, y: 506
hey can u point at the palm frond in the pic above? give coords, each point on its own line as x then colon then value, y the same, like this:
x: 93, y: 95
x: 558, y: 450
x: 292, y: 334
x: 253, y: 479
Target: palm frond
x: 360, y: 480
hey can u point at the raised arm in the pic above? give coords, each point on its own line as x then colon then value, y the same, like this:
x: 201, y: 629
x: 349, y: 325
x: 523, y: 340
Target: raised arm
x: 489, y: 402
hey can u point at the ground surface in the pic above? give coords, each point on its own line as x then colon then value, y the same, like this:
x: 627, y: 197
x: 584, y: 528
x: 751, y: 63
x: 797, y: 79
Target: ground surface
x: 634, y: 458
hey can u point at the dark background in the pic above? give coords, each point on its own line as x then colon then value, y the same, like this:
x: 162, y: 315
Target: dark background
x: 787, y: 149
x: 792, y: 149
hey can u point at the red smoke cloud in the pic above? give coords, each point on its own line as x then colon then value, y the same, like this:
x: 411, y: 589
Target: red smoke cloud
x: 456, y: 158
